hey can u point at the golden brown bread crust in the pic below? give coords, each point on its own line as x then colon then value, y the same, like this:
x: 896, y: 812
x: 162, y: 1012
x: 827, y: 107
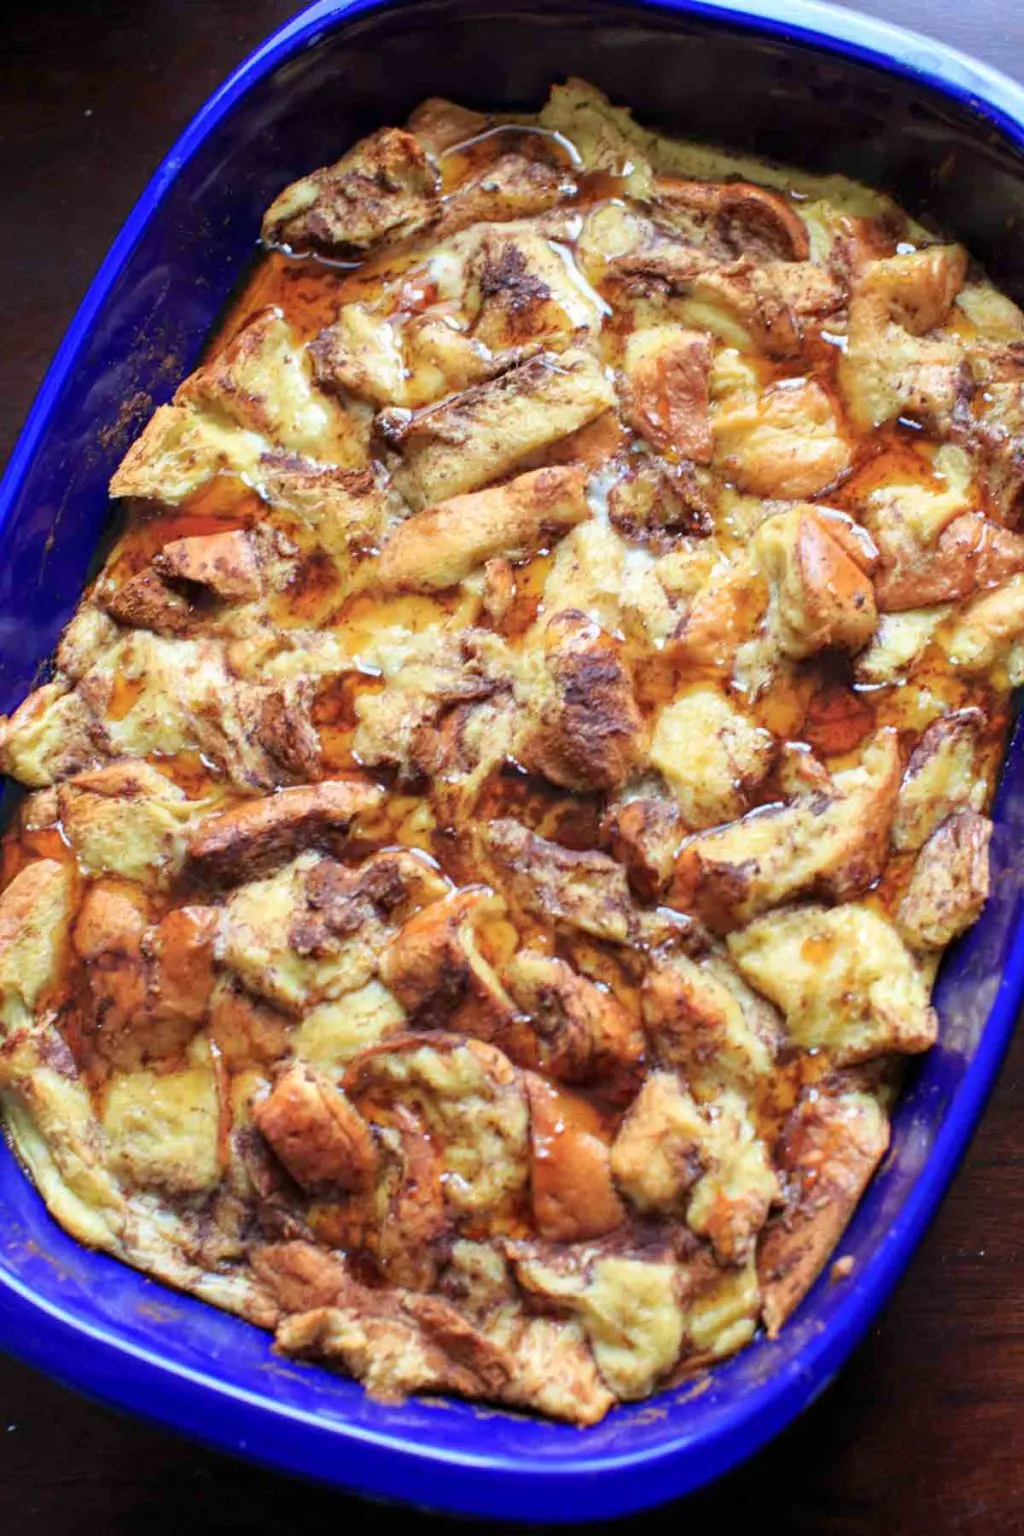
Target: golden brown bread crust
x: 588, y: 735
x: 829, y: 1150
x: 434, y: 968
x: 949, y: 884
x: 583, y: 1033
x: 257, y: 835
x: 831, y: 845
x: 227, y: 563
x: 316, y: 1133
x: 469, y: 439
x: 666, y: 390
x: 747, y: 292
x: 573, y: 1199
x: 383, y: 188
x: 511, y: 187
x: 442, y: 544
x: 496, y: 814
x: 737, y: 217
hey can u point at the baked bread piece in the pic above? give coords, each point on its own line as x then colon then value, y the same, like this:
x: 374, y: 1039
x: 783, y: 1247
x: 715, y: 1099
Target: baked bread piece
x: 495, y: 816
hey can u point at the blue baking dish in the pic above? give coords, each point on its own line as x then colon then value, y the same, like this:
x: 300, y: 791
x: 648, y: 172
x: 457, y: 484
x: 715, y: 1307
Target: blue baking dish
x: 787, y: 78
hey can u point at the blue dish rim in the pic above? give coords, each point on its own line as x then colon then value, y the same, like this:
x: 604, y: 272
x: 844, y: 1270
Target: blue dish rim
x: 187, y: 1400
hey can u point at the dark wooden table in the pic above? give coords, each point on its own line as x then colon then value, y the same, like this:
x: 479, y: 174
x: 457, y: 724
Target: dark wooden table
x: 924, y: 1431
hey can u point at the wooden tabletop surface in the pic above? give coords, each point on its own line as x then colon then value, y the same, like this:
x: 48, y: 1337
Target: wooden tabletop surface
x: 924, y: 1430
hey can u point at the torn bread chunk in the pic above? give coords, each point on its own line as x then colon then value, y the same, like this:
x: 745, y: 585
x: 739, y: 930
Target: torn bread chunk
x: 437, y: 972
x: 587, y: 733
x: 673, y: 1156
x: 462, y: 443
x: 361, y: 353
x: 985, y: 627
x: 408, y: 363
x: 583, y: 890
x: 397, y: 1343
x: 583, y: 1033
x: 711, y: 755
x: 473, y: 1103
x: 831, y: 843
x: 203, y: 584
x: 35, y: 915
x: 898, y: 359
x: 658, y: 494
x: 723, y: 1312
x: 604, y: 137
x: 264, y: 919
x: 830, y: 1147
x: 949, y: 884
x: 440, y: 545
x: 384, y: 188
x: 996, y: 429
x: 253, y: 397
x: 666, y: 371
x: 399, y: 1220
x: 49, y: 1116
x: 587, y: 575
x: 261, y: 382
x: 724, y: 616
x: 427, y: 676
x: 332, y: 1035
x: 521, y: 291
x: 656, y: 1156
x: 732, y: 218
x: 730, y: 1202
x: 127, y: 819
x: 164, y: 1127
x: 842, y: 977
x: 440, y: 124
x: 228, y: 564
x: 313, y: 932
x: 145, y: 601
x: 151, y: 985
x: 784, y: 440
x: 571, y: 1189
x: 644, y: 830
x: 897, y: 644
x: 631, y: 1309
x: 257, y: 835
x: 702, y: 1018
x: 819, y: 568
x: 970, y: 555
x: 944, y: 775
x: 487, y: 301
x: 342, y: 511
x: 316, y: 1132
x: 741, y: 304
x: 935, y: 544
x: 514, y: 186
x: 554, y: 1370
x: 179, y: 450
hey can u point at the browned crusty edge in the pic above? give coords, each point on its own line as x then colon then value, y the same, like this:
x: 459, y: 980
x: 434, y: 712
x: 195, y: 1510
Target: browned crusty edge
x: 440, y: 545
x: 253, y: 837
x: 830, y: 1148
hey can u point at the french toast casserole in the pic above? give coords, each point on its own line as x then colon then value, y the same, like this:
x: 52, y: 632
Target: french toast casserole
x: 493, y: 821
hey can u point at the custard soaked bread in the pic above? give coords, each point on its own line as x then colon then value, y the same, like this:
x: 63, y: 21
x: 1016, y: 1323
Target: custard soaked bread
x: 494, y: 819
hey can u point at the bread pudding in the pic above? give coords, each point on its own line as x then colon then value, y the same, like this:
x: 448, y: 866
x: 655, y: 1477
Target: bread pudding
x: 495, y: 817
